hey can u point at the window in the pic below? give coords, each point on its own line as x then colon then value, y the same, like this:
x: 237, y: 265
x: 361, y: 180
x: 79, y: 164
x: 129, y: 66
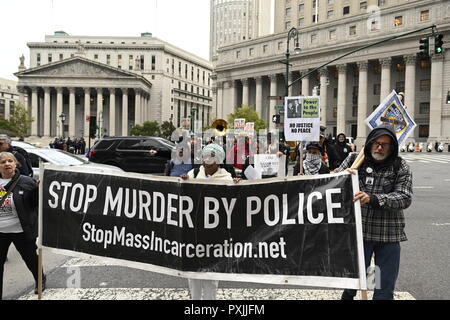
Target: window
x: 301, y: 22
x: 301, y: 7
x: 38, y: 59
x: 381, y: 3
x: 352, y: 30
x: 374, y: 25
x: 363, y: 5
x: 95, y: 56
x: 315, y: 18
x: 424, y: 108
x: 400, y: 86
x: 330, y: 14
x: 332, y: 34
x: 314, y: 38
x: 108, y: 59
x: 265, y: 48
x: 425, y: 85
x: 424, y: 15
x: 330, y: 1
x: 49, y: 57
x: 424, y: 131
x: 377, y: 89
x: 288, y: 12
x: 61, y: 56
x: 130, y: 62
x: 398, y: 21
x: 287, y: 25
x: 346, y: 10
x: 251, y: 51
x: 314, y: 4
x: 153, y: 62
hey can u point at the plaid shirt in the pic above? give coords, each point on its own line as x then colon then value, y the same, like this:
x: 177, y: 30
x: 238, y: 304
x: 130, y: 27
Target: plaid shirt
x: 393, y: 190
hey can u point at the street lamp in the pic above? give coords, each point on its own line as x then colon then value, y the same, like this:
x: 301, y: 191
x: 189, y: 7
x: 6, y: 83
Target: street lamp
x: 62, y: 116
x: 293, y: 33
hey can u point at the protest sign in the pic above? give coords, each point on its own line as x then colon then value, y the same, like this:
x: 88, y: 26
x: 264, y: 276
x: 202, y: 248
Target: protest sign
x: 239, y: 125
x: 267, y: 164
x: 391, y: 111
x: 304, y: 231
x: 250, y: 129
x: 186, y: 123
x: 302, y: 119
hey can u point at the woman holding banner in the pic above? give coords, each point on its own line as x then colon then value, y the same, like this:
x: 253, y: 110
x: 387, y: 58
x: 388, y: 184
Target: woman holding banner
x: 212, y: 155
x: 18, y: 215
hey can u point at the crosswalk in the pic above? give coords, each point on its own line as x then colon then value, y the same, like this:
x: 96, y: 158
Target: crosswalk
x: 225, y: 292
x: 426, y: 157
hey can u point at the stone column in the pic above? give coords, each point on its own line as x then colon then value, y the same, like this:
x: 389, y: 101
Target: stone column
x: 273, y: 103
x: 306, y: 90
x: 21, y: 97
x: 232, y: 97
x: 258, y: 99
x: 100, y: 111
x: 324, y: 80
x: 87, y: 111
x: 385, y: 78
x: 34, y: 111
x: 245, y: 93
x: 219, y: 114
x: 410, y: 83
x: 112, y: 112
x: 59, y: 110
x: 436, y: 94
x: 342, y: 99
x: 47, y: 112
x: 124, y: 111
x: 138, y: 109
x: 362, y: 103
x: 72, y: 116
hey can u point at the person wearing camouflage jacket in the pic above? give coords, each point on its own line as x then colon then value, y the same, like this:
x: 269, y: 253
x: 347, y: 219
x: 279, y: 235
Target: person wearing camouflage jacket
x: 385, y: 182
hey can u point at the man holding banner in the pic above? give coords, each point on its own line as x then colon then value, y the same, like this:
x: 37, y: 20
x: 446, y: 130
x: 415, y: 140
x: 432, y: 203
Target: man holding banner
x: 386, y: 190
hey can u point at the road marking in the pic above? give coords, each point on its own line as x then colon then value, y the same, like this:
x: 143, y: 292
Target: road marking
x: 423, y: 187
x: 440, y: 224
x: 183, y: 294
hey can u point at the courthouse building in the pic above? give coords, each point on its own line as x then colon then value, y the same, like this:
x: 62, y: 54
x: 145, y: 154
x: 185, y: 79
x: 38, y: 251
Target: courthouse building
x: 113, y: 83
x: 247, y: 73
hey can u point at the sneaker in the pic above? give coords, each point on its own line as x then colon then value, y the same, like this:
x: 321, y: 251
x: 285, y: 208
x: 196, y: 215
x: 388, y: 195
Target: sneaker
x: 44, y: 280
x: 346, y: 296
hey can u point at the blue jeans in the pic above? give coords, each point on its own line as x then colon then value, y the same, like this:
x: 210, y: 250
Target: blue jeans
x: 387, y: 259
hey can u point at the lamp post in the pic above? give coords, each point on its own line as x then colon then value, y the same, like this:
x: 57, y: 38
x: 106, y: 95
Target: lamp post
x: 293, y: 33
x: 62, y: 116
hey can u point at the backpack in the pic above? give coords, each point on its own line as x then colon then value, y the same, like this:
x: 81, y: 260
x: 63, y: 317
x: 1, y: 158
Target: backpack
x: 26, y: 156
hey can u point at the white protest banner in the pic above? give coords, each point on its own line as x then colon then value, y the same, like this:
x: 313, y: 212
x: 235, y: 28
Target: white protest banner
x: 391, y: 111
x: 267, y: 164
x: 302, y: 118
x: 239, y: 125
x: 250, y: 128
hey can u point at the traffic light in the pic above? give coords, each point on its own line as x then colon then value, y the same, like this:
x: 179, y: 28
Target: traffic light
x: 276, y: 118
x: 438, y: 43
x: 424, y: 46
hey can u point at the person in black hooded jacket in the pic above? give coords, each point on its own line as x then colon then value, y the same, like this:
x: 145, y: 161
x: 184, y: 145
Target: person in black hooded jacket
x: 385, y: 182
x: 341, y: 151
x: 18, y: 215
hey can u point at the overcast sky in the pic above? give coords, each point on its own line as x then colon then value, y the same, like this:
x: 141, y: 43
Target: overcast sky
x: 183, y: 23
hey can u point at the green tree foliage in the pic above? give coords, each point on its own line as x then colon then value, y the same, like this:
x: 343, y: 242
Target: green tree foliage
x: 20, y: 120
x: 166, y: 129
x: 6, y: 128
x: 250, y: 115
x: 149, y: 128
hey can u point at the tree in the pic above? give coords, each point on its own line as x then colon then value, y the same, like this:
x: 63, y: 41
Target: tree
x: 20, y: 120
x: 166, y: 129
x: 149, y: 128
x: 249, y: 115
x: 6, y: 128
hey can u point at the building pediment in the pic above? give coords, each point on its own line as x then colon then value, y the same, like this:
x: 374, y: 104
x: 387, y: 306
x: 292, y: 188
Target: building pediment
x: 77, y: 67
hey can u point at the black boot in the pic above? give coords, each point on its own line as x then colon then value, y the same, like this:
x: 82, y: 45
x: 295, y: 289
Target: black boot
x: 346, y: 296
x: 44, y: 280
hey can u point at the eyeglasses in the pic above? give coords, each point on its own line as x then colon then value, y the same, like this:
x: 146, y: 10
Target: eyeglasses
x: 384, y: 145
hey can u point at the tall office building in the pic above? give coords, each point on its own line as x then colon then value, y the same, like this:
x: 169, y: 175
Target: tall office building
x: 234, y: 21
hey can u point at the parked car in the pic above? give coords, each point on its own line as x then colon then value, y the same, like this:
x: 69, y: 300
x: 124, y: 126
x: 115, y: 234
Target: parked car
x: 22, y: 144
x: 133, y: 154
x: 61, y: 158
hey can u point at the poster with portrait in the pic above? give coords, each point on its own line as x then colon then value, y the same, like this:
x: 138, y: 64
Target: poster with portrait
x: 302, y: 118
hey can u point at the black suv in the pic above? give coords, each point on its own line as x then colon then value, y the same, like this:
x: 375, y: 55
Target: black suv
x: 133, y: 154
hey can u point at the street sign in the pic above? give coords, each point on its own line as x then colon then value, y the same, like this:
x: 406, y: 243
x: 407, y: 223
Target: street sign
x: 276, y: 98
x: 279, y: 108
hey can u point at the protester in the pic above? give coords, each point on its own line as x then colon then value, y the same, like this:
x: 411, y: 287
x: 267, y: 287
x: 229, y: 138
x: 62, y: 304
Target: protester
x: 313, y: 163
x: 5, y: 146
x: 285, y: 149
x: 18, y: 216
x: 181, y: 164
x: 212, y: 156
x: 385, y: 181
x: 341, y: 151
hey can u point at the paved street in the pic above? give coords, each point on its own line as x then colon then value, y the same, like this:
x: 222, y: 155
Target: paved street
x: 423, y: 273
